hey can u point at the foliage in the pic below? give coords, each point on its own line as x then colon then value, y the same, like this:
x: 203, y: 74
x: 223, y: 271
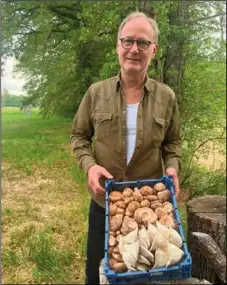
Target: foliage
x: 65, y: 46
x: 9, y: 100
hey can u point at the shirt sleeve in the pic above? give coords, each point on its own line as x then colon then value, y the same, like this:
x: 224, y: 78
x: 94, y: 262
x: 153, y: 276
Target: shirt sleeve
x: 81, y: 135
x: 171, y: 149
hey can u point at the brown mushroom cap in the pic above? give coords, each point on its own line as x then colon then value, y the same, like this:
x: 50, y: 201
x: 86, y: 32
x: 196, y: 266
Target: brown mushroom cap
x: 112, y: 209
x: 168, y: 207
x: 115, y: 196
x: 137, y: 196
x: 155, y: 204
x: 168, y: 221
x: 159, y: 186
x: 164, y: 195
x: 144, y: 216
x: 115, y: 222
x: 145, y: 203
x: 112, y: 262
x: 132, y: 206
x: 120, y: 267
x: 120, y: 204
x: 160, y: 212
x: 128, y: 225
x: 127, y: 192
x: 146, y: 190
x: 152, y: 197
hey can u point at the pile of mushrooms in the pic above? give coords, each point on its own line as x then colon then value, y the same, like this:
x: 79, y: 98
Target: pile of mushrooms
x: 142, y: 229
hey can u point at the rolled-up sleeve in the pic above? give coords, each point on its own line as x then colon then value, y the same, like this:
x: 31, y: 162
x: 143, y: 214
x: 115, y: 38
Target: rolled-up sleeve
x: 81, y: 135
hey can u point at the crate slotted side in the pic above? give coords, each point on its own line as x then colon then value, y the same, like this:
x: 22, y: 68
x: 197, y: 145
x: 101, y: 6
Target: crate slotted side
x: 180, y: 271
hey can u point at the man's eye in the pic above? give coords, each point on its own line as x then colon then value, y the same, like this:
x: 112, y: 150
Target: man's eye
x: 128, y: 41
x: 143, y: 42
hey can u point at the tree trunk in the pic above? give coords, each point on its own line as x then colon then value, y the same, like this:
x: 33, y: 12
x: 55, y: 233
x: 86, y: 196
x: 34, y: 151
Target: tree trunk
x: 207, y: 215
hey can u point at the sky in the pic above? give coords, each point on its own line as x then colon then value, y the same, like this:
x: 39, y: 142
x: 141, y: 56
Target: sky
x: 12, y: 81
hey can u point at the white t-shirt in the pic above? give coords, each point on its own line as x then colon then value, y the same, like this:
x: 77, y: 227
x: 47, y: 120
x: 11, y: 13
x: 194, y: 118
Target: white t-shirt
x: 131, y: 111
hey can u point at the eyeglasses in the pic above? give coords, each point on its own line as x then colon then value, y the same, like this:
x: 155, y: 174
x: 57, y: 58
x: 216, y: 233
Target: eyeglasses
x: 142, y: 44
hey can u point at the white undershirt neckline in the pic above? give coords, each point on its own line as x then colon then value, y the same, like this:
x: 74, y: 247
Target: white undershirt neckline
x: 131, y: 112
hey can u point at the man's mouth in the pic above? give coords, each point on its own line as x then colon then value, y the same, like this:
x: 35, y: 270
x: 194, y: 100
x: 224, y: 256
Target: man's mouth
x: 133, y: 59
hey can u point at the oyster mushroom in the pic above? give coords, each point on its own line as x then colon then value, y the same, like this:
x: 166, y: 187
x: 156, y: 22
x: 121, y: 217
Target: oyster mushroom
x: 159, y: 186
x: 115, y: 196
x: 115, y: 222
x: 152, y: 232
x: 160, y: 212
x: 131, y: 237
x: 145, y: 216
x: 175, y: 238
x: 161, y: 258
x: 175, y: 254
x: 159, y: 241
x: 141, y: 267
x: 146, y: 190
x: 130, y: 254
x: 127, y: 192
x: 144, y: 260
x: 128, y: 225
x: 146, y: 253
x: 163, y: 195
x: 144, y: 238
x: 165, y: 230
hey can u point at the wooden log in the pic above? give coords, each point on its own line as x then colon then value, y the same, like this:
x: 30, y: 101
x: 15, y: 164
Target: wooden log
x: 206, y: 214
x: 211, y: 253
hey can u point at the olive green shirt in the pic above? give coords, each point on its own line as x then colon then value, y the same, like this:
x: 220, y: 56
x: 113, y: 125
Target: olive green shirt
x: 99, y: 132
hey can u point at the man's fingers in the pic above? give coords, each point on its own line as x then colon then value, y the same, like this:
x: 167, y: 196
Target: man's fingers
x: 105, y: 173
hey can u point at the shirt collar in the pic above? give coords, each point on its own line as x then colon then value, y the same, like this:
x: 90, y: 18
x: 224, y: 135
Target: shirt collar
x: 148, y: 85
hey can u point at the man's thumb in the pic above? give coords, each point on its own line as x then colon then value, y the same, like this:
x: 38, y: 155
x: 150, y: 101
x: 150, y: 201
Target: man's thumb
x: 107, y: 174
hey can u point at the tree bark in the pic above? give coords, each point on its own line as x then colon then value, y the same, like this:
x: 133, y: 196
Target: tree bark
x: 207, y: 215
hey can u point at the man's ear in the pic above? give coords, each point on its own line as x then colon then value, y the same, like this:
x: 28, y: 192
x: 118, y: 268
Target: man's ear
x: 155, y: 49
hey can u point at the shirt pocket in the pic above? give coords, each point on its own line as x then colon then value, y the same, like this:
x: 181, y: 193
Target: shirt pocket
x: 159, y: 128
x: 102, y: 125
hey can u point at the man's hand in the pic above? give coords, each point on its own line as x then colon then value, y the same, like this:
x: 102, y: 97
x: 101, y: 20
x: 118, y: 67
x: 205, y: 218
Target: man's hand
x: 172, y: 173
x: 94, y: 173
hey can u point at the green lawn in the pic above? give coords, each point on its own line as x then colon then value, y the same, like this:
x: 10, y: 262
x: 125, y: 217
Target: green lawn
x: 44, y: 202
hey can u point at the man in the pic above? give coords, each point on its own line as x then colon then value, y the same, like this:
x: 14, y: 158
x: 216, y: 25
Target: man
x: 127, y: 128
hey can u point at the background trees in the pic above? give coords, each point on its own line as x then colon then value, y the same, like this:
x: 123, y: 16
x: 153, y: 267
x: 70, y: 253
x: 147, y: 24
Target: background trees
x: 63, y: 47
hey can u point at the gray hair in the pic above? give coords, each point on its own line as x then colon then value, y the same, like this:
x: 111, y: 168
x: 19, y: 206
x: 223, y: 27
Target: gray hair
x: 133, y: 15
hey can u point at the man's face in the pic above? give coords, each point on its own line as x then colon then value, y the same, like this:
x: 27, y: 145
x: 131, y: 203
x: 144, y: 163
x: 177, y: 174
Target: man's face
x: 133, y: 60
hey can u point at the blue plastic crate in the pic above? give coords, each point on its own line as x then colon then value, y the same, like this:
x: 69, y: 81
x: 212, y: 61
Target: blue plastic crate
x: 180, y: 271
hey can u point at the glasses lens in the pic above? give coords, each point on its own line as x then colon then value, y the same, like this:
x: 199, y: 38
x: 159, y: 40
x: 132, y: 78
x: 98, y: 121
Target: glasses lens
x: 142, y: 44
x: 127, y: 42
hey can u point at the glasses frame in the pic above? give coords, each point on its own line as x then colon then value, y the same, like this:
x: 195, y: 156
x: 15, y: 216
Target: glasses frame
x: 149, y: 43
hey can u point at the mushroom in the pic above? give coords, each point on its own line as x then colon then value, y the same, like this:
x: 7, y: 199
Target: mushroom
x: 127, y: 192
x: 112, y: 241
x: 132, y: 206
x: 137, y: 196
x: 144, y: 216
x: 160, y: 212
x: 112, y: 262
x: 164, y: 195
x: 175, y: 238
x: 119, y: 267
x: 145, y: 203
x: 168, y: 207
x: 112, y: 209
x: 127, y: 200
x: 152, y: 198
x: 155, y: 204
x: 115, y: 196
x: 161, y: 258
x: 121, y: 204
x: 128, y: 225
x: 116, y: 249
x: 120, y: 211
x: 144, y: 238
x: 146, y: 190
x: 110, y: 250
x: 115, y: 222
x: 117, y: 256
x: 168, y: 221
x: 159, y: 186
x: 175, y: 254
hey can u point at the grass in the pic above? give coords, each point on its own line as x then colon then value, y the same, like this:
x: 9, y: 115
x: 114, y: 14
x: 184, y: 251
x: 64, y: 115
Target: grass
x: 44, y: 202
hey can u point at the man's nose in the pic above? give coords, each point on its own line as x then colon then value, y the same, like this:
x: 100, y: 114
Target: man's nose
x: 134, y: 47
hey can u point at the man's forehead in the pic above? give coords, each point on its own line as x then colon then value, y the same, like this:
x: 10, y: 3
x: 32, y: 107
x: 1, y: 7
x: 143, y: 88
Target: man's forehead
x: 138, y: 24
